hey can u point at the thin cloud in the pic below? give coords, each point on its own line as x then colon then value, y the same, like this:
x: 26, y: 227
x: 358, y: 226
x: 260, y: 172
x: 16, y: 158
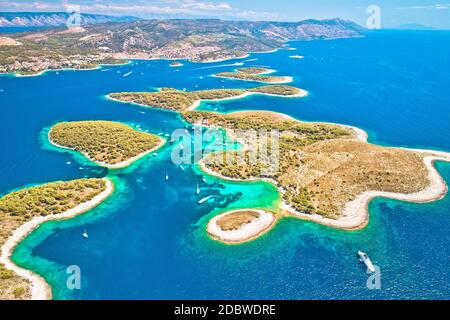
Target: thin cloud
x: 147, y: 9
x: 439, y: 6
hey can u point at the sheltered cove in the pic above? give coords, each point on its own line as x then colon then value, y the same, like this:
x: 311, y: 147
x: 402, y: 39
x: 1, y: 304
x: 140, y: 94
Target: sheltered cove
x: 18, y: 230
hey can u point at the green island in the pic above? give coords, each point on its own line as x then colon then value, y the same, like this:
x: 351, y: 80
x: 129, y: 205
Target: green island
x: 180, y: 101
x: 321, y: 166
x: 107, y: 143
x: 254, y: 74
x: 20, y: 207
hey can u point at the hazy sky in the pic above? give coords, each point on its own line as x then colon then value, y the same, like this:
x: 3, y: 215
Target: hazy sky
x: 393, y: 12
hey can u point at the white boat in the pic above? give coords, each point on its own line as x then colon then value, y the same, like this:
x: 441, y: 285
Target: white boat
x: 181, y: 167
x: 127, y: 74
x: 85, y: 235
x: 198, y: 189
x: 366, y: 260
x: 68, y: 162
x: 204, y: 199
x: 296, y: 57
x: 167, y: 176
x: 204, y: 180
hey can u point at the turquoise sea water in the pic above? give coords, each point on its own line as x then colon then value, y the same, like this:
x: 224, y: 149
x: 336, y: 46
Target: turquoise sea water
x: 148, y: 240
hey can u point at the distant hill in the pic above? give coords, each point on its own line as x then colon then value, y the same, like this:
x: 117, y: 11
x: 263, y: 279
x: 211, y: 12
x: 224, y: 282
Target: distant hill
x: 53, y: 19
x: 414, y: 26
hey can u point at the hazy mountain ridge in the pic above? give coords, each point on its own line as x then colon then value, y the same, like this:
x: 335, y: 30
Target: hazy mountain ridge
x: 48, y: 19
x: 229, y: 35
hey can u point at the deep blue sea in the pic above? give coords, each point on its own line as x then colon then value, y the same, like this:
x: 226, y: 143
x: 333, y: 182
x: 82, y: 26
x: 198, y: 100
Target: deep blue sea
x: 148, y: 240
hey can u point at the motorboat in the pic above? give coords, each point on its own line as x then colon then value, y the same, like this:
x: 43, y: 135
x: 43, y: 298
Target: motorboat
x: 363, y: 257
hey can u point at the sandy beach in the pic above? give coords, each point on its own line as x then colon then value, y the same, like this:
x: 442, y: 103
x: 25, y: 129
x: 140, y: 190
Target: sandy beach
x: 39, y: 287
x: 244, y: 233
x: 119, y: 165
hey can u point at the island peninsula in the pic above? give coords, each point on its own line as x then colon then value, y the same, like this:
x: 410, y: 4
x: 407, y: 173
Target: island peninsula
x: 109, y: 144
x: 180, y: 101
x: 24, y: 210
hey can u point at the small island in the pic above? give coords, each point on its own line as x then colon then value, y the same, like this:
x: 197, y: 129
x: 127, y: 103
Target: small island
x: 180, y: 101
x: 175, y: 64
x: 109, y: 144
x: 24, y: 210
x: 240, y: 225
x: 254, y: 74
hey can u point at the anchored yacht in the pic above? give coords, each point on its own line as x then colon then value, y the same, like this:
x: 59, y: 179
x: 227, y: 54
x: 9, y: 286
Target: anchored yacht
x: 205, y: 199
x: 366, y: 260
